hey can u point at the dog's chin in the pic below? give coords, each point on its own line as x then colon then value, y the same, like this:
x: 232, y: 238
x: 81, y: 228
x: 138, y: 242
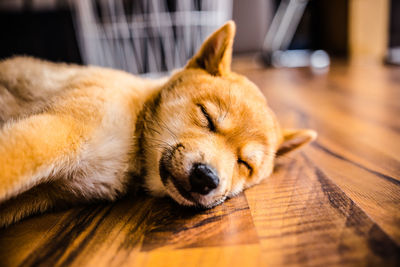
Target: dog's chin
x: 182, y: 196
x: 185, y: 199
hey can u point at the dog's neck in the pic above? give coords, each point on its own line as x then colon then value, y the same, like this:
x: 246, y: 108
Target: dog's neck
x: 137, y: 158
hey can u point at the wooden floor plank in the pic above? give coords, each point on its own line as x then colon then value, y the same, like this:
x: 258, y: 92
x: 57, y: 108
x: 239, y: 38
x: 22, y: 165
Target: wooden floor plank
x: 301, y: 217
x: 232, y: 256
x: 112, y: 232
x: 379, y: 197
x: 228, y: 224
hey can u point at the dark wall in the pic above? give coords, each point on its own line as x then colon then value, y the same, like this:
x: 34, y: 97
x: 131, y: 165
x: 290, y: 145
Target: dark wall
x: 324, y: 25
x: 44, y: 34
x: 394, y: 39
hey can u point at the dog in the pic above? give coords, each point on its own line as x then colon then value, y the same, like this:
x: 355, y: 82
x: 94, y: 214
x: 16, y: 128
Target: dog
x: 77, y: 134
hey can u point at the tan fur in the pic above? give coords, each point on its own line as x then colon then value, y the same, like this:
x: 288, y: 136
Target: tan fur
x: 74, y: 134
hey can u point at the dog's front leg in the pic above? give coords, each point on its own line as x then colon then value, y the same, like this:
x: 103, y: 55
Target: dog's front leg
x: 36, y: 149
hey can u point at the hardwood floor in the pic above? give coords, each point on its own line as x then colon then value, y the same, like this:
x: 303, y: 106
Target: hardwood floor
x: 335, y: 203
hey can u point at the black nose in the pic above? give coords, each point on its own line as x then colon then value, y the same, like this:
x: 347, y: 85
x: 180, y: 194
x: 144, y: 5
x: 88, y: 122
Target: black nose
x: 203, y: 179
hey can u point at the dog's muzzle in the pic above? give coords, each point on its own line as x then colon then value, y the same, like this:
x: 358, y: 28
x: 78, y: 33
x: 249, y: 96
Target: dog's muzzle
x: 201, y: 180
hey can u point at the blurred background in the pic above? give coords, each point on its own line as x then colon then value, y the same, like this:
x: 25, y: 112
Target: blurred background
x: 156, y: 36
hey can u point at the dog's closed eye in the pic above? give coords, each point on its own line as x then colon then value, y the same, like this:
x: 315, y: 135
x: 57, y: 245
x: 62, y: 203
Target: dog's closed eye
x: 246, y: 164
x: 210, y: 123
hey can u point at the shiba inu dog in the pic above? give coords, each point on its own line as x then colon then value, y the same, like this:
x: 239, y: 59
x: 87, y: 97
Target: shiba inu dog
x: 72, y: 134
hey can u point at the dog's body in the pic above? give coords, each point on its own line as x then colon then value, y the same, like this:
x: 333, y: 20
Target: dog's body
x: 72, y: 134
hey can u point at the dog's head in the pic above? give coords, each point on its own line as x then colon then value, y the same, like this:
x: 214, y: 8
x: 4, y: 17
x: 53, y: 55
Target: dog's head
x: 209, y: 133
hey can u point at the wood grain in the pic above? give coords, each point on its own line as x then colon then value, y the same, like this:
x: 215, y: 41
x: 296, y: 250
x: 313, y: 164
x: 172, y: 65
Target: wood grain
x: 335, y: 203
x: 305, y: 218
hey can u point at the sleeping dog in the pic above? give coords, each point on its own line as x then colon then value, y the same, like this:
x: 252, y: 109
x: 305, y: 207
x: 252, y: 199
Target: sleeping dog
x: 73, y: 134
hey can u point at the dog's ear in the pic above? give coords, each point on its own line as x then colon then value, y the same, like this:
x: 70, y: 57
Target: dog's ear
x: 294, y: 139
x: 215, y: 55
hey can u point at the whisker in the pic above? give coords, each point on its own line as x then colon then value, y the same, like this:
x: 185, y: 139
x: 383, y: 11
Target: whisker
x: 173, y: 135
